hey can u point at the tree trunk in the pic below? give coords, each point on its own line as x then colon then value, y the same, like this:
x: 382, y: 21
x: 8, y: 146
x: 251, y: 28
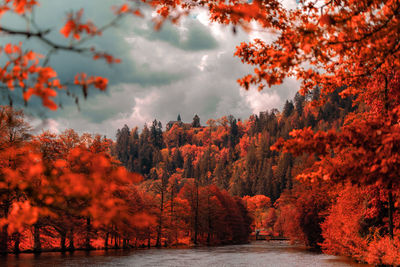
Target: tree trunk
x: 209, y: 221
x: 176, y: 237
x: 390, y: 213
x: 124, y: 244
x: 4, y: 240
x: 62, y: 241
x: 37, y: 245
x: 106, y: 241
x: 88, y: 233
x: 196, y: 216
x: 71, y: 240
x: 159, y: 228
x: 390, y: 196
x: 115, y: 241
x: 17, y: 237
x: 172, y: 215
x: 4, y: 230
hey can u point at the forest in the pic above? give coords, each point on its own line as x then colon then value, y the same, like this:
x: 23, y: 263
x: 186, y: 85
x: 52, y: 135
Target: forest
x: 190, y: 183
x: 322, y: 172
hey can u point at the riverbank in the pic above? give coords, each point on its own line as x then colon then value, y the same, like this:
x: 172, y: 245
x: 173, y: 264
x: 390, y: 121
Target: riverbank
x: 256, y: 253
x: 127, y: 248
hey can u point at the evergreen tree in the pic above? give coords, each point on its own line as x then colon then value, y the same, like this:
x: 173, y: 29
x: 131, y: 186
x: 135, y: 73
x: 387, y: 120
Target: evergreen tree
x: 145, y: 151
x: 196, y: 121
x: 133, y: 164
x: 288, y: 109
x: 299, y: 103
x: 285, y: 162
x: 122, y: 144
x: 156, y: 135
x: 233, y: 132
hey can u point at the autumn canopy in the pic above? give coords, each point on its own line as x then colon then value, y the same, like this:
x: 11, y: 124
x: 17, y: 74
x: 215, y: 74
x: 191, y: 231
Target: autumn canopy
x: 329, y: 161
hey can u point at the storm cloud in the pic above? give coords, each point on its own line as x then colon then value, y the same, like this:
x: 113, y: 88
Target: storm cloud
x: 184, y: 69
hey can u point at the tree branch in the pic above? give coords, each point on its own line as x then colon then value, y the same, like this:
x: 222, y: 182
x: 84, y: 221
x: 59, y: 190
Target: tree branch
x: 41, y: 36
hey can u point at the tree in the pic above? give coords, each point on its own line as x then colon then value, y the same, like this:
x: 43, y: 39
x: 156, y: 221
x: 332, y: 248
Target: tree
x: 196, y: 121
x: 233, y: 132
x: 288, y: 108
x: 340, y: 41
x: 342, y: 226
x: 302, y: 210
x: 364, y: 152
x: 19, y: 164
x: 29, y: 71
x: 122, y: 144
x: 159, y: 187
x: 299, y: 103
x: 156, y: 135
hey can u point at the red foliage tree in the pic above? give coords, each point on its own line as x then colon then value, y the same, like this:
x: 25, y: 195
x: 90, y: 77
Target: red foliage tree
x: 29, y: 71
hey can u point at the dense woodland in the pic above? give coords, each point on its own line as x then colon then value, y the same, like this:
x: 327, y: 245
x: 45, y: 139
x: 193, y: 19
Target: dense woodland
x: 238, y: 157
x: 233, y: 154
x: 65, y: 192
x: 190, y: 184
x: 324, y: 171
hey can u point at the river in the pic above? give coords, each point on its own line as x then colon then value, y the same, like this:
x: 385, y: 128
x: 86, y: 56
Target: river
x: 257, y: 253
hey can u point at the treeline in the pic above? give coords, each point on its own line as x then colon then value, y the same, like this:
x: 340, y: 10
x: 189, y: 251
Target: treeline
x: 235, y: 155
x: 294, y: 196
x: 62, y: 192
x: 345, y: 198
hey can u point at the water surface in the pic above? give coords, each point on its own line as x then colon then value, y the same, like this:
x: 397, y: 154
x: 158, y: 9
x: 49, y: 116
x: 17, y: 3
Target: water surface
x: 258, y: 253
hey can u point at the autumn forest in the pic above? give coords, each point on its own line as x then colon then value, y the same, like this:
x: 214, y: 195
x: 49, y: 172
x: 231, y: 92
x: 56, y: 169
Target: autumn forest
x: 321, y: 172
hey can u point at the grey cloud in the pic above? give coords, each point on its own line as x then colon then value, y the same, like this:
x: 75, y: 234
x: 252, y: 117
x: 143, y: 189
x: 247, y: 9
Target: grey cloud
x: 210, y: 93
x: 51, y: 15
x: 197, y: 37
x: 187, y: 69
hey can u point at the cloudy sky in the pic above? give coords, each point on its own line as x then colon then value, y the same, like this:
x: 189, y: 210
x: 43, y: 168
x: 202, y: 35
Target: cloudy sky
x: 184, y: 69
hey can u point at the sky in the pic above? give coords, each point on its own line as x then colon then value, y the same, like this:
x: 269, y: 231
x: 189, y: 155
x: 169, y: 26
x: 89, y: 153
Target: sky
x: 184, y: 69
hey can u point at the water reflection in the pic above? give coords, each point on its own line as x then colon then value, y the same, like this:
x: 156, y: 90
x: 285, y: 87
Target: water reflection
x: 260, y: 253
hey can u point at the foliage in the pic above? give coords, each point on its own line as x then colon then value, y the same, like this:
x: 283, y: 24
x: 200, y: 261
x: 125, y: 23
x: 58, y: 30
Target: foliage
x: 29, y: 71
x: 340, y: 138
